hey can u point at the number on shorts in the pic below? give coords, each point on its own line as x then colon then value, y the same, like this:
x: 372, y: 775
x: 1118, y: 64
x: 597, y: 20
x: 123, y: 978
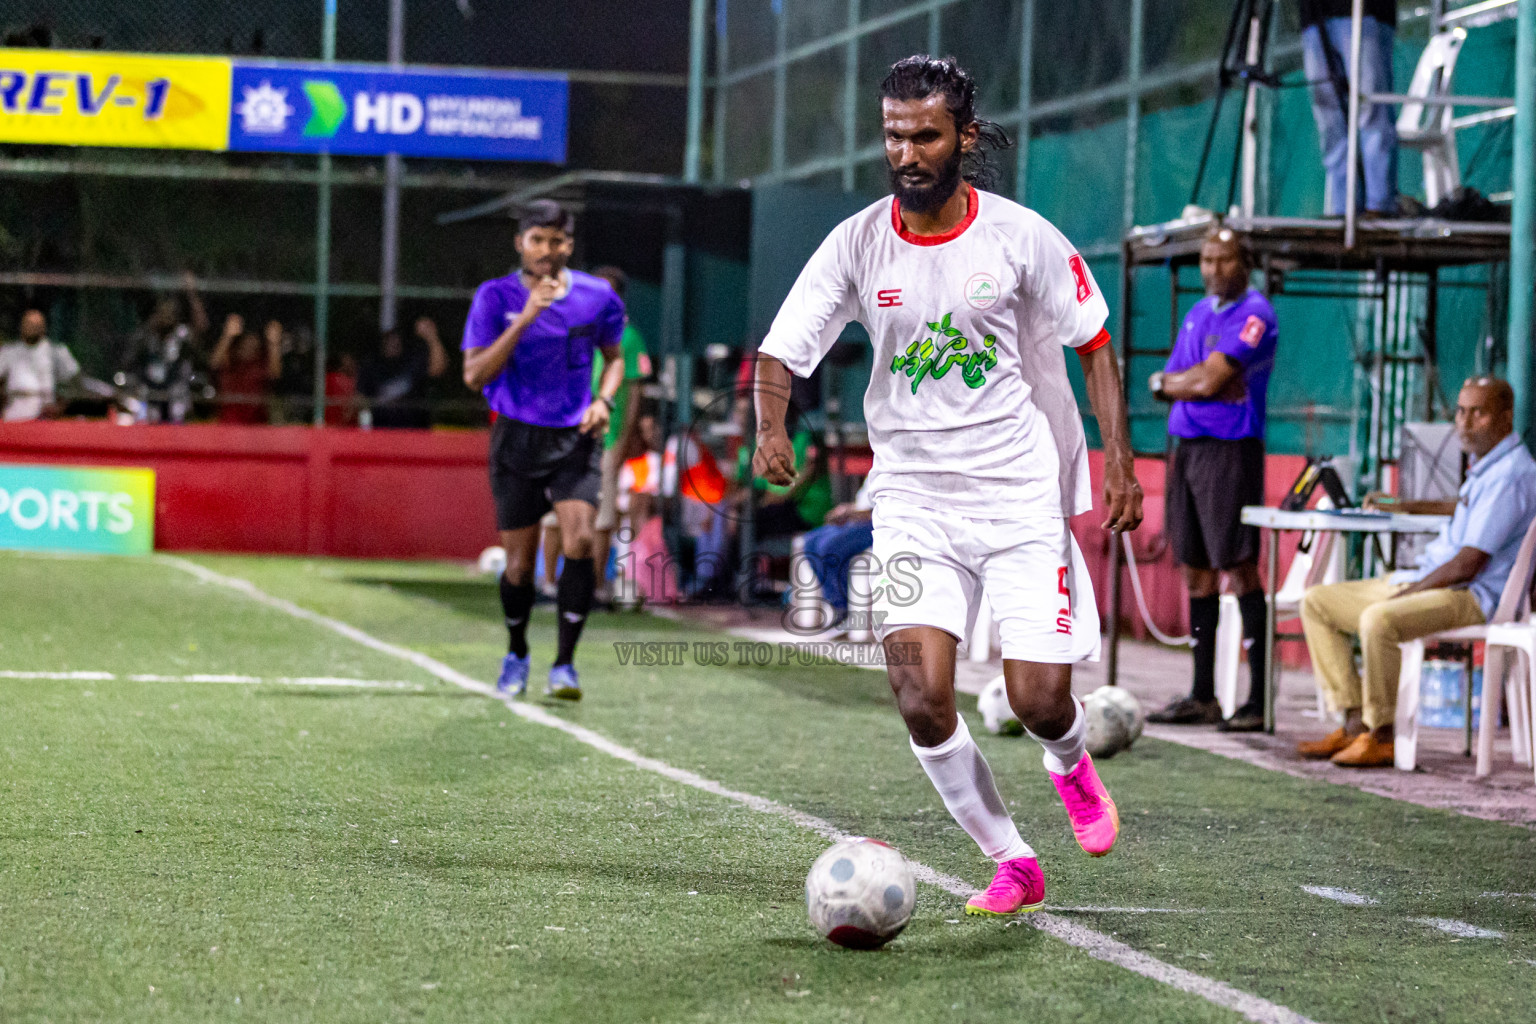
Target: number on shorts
x: 1064, y: 614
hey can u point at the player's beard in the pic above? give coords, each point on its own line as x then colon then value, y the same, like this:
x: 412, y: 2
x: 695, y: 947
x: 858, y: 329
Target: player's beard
x: 928, y: 198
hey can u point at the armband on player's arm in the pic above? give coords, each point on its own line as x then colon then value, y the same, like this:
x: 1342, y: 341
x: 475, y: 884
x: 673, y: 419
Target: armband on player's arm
x: 1094, y: 343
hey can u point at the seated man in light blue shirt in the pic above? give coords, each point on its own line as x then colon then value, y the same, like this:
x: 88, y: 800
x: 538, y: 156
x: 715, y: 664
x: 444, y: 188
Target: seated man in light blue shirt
x: 1458, y: 582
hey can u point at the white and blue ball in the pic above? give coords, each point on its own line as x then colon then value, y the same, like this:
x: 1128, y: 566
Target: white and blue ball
x: 996, y: 714
x: 860, y: 894
x: 493, y: 561
x: 1114, y: 720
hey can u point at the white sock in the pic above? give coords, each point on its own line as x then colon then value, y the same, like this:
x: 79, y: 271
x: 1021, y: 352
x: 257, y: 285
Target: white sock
x: 960, y: 774
x: 1062, y: 755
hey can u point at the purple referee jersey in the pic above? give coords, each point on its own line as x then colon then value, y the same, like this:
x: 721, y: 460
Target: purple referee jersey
x: 548, y: 380
x: 1245, y: 331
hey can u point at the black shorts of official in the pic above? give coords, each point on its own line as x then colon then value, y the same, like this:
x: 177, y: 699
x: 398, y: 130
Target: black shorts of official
x: 1209, y: 482
x: 533, y: 467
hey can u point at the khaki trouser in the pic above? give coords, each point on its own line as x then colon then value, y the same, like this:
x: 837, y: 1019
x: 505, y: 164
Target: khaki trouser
x: 1333, y: 613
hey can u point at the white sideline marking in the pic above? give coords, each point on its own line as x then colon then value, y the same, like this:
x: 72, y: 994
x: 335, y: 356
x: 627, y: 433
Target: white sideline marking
x: 1096, y: 944
x: 1328, y: 892
x: 57, y: 675
x: 370, y: 684
x: 1128, y: 910
x: 1460, y: 929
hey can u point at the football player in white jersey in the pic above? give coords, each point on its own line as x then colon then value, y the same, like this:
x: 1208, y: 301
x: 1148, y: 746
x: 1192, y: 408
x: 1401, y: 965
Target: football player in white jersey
x: 979, y: 453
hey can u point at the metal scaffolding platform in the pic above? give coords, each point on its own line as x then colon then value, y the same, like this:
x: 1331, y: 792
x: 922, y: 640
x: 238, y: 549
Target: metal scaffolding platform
x: 1285, y: 243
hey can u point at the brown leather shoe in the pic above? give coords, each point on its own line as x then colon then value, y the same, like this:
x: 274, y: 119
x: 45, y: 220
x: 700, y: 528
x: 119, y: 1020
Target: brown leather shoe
x: 1326, y: 747
x: 1365, y: 752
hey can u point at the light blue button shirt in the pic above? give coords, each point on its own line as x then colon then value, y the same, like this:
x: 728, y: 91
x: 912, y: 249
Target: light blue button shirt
x: 1493, y: 510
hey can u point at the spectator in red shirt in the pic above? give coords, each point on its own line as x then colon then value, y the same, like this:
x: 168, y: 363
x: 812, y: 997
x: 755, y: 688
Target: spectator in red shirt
x: 341, y: 391
x: 246, y: 366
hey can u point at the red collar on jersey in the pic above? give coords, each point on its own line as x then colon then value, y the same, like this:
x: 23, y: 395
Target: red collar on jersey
x: 971, y: 206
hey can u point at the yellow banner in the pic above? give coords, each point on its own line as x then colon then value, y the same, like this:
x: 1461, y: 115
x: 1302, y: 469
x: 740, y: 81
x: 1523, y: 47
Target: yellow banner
x: 74, y: 98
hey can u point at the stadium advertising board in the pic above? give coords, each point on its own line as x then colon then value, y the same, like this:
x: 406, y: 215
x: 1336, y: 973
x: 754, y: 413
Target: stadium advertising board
x: 77, y: 508
x: 59, y: 97
x: 62, y: 97
x: 365, y: 111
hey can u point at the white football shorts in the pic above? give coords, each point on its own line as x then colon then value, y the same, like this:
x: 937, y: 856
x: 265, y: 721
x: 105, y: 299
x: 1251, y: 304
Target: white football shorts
x: 934, y: 568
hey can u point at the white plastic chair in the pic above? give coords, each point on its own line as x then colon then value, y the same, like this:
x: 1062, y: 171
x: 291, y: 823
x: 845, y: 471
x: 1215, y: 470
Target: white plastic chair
x: 1322, y: 563
x: 1512, y: 624
x: 1428, y: 128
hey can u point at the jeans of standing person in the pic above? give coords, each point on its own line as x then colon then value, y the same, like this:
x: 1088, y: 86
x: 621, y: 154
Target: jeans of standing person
x: 829, y: 549
x: 1377, y: 189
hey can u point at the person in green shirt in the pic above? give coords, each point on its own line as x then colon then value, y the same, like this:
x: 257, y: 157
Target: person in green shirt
x: 621, y: 429
x: 801, y: 506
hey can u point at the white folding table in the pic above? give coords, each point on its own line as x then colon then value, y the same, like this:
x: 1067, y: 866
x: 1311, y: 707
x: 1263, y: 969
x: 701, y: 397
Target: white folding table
x: 1278, y: 521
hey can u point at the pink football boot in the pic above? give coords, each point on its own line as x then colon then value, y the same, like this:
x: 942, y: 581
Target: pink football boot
x: 1018, y: 887
x: 1095, y: 821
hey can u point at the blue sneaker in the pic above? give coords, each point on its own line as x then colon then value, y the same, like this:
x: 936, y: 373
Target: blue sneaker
x: 563, y: 684
x: 514, y: 675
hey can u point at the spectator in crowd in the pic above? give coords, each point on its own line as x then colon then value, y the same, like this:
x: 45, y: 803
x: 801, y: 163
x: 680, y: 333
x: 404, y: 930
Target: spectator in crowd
x: 1458, y: 582
x: 33, y: 369
x: 849, y: 531
x: 801, y: 506
x: 1325, y: 47
x: 394, y: 380
x: 294, y: 390
x: 621, y: 429
x: 341, y: 390
x: 246, y: 364
x: 160, y: 358
x: 640, y: 476
x: 1217, y: 378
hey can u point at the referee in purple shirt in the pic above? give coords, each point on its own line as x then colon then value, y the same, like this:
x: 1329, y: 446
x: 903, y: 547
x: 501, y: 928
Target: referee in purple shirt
x: 529, y: 345
x: 1216, y: 378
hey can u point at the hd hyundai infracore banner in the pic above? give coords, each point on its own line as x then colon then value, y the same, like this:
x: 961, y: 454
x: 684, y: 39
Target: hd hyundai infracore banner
x: 71, y: 98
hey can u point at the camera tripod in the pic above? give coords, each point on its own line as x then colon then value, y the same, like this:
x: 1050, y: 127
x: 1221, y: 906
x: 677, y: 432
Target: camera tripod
x: 1242, y: 60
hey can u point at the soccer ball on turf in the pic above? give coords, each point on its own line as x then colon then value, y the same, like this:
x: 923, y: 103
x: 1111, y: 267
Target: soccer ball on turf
x: 493, y: 561
x: 996, y: 714
x: 860, y: 894
x: 1121, y: 698
x: 1112, y: 725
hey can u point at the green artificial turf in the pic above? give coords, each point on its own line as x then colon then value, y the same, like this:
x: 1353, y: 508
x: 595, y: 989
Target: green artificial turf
x: 197, y: 851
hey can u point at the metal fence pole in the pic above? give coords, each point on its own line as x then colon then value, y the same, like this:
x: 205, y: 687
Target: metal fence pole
x: 1352, y: 172
x: 1133, y: 114
x: 780, y: 90
x: 389, y: 242
x: 697, y: 26
x: 1026, y: 96
x: 851, y: 100
x: 1522, y: 232
x: 323, y: 234
x: 722, y: 63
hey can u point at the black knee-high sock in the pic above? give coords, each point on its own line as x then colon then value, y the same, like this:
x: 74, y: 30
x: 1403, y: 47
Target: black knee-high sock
x: 573, y: 600
x: 516, y: 603
x: 1252, y: 605
x: 1203, y: 613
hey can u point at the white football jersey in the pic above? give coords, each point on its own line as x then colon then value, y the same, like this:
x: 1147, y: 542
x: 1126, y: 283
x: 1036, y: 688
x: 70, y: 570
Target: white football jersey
x: 969, y: 408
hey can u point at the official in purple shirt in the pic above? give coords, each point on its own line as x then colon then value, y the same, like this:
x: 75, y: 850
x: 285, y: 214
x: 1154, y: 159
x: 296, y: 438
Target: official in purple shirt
x: 529, y: 346
x: 1216, y: 378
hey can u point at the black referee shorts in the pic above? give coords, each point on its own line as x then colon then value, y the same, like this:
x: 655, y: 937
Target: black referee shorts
x: 1209, y: 482
x: 533, y: 467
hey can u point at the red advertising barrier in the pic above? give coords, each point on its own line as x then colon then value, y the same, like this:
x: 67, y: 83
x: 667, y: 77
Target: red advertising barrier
x: 290, y: 490
x: 424, y: 494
